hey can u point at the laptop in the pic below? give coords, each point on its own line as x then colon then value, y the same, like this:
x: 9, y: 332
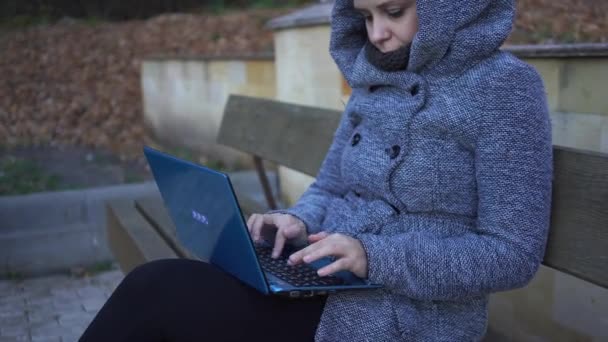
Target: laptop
x: 210, y: 225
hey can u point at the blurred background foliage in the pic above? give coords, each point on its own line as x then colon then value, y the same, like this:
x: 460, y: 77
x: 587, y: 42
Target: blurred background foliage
x: 38, y: 11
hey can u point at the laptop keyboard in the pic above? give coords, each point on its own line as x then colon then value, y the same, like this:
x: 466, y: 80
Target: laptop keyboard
x: 300, y: 275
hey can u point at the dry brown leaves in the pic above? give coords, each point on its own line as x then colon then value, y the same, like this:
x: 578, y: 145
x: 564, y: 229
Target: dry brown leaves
x: 77, y: 84
x: 561, y: 21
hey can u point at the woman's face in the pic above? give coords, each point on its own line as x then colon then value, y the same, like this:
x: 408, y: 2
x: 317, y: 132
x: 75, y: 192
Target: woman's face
x: 391, y: 24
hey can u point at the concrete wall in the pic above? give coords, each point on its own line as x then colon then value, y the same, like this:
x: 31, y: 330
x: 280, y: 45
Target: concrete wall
x: 577, y: 90
x: 184, y: 99
x: 306, y: 75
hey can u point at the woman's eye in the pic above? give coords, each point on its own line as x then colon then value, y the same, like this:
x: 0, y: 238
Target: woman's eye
x: 395, y: 13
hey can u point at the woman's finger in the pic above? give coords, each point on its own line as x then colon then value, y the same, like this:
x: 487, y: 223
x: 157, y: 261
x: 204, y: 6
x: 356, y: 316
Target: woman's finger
x: 317, y: 237
x: 250, y: 221
x: 268, y: 218
x: 279, y: 243
x: 291, y: 231
x: 323, y: 250
x: 296, y: 258
x: 257, y: 227
x: 336, y: 266
x: 315, y: 251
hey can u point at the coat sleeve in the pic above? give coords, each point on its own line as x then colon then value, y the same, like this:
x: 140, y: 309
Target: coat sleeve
x: 312, y: 205
x: 513, y: 161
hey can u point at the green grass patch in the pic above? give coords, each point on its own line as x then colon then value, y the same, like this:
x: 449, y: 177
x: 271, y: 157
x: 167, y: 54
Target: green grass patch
x: 216, y: 37
x: 219, y: 7
x: 192, y: 156
x: 100, y: 267
x: 132, y: 177
x: 182, y: 153
x: 8, y: 24
x: 217, y: 165
x: 275, y: 3
x: 18, y: 177
x: 12, y: 276
x: 93, y: 20
x: 23, y: 21
x: 91, y: 270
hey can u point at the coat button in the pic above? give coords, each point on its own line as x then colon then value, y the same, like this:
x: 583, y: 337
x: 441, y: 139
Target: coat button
x: 415, y: 89
x: 357, y: 194
x: 356, y: 139
x: 394, y: 151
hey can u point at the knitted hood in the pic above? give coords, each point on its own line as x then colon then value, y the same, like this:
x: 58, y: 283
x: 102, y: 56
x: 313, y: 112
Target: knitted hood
x: 453, y: 35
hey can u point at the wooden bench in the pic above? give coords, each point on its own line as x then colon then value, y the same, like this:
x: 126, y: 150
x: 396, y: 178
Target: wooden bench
x: 286, y: 134
x: 299, y: 136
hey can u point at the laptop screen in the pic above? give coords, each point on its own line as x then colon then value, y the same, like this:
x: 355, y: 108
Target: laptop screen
x: 206, y: 214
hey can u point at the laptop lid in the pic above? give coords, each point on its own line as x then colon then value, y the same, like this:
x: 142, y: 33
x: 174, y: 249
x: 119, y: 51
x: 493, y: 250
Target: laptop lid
x: 207, y: 217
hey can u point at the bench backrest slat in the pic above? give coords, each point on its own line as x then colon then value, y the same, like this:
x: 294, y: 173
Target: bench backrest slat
x: 291, y: 135
x: 299, y: 136
x: 578, y: 239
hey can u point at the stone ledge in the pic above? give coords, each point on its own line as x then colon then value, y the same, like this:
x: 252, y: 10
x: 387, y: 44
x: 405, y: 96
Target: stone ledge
x: 70, y: 230
x: 51, y: 232
x: 318, y: 14
x: 268, y: 56
x: 580, y: 50
x: 559, y: 50
x: 47, y: 209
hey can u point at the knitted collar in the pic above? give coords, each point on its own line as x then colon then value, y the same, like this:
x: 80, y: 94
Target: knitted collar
x: 389, y: 61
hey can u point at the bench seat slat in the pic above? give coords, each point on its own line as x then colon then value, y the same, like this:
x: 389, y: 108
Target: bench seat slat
x: 132, y: 239
x: 154, y: 210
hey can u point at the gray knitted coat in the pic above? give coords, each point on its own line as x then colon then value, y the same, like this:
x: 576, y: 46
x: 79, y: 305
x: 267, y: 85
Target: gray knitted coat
x: 442, y: 171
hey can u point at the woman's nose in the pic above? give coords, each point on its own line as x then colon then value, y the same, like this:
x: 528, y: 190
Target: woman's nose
x: 380, y: 32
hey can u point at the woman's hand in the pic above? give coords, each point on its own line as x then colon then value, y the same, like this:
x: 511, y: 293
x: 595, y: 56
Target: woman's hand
x: 288, y: 227
x: 349, y: 254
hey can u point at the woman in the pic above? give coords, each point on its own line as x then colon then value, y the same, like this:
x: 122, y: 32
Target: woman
x: 437, y: 185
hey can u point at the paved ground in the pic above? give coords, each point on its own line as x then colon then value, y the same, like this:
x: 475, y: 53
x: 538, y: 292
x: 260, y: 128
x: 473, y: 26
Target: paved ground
x: 54, y: 308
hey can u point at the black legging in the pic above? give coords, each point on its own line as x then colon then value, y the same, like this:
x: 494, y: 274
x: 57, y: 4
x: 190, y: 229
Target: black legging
x: 186, y: 300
